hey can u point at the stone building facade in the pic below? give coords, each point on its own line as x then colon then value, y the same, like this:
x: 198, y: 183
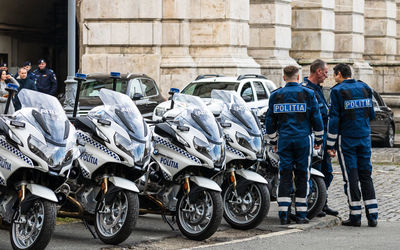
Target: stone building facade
x: 175, y: 40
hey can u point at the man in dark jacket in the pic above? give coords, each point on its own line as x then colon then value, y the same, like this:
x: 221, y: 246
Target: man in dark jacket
x: 46, y: 81
x: 24, y: 83
x: 28, y: 66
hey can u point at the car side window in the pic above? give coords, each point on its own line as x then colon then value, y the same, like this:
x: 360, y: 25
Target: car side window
x: 247, y: 92
x: 260, y: 91
x: 134, y: 87
x: 149, y: 87
x: 378, y: 99
x: 91, y: 88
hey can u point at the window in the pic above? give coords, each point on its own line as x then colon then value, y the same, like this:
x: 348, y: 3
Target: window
x: 149, y: 87
x: 260, y: 91
x: 203, y: 89
x: 91, y: 88
x: 247, y: 92
x: 270, y: 86
x: 134, y: 87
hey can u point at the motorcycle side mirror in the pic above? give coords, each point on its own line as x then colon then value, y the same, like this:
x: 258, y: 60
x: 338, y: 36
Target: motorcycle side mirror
x: 183, y: 128
x: 104, y: 122
x: 17, y: 124
x: 137, y: 96
x: 226, y: 124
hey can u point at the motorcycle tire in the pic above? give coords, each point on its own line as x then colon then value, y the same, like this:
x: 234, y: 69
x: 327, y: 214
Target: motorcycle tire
x: 212, y: 199
x: 131, y: 201
x: 44, y: 213
x: 320, y: 195
x: 232, y: 213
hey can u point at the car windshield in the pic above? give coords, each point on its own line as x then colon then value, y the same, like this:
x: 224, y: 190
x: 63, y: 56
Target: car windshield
x: 196, y: 113
x: 124, y: 112
x: 203, y: 89
x: 236, y: 110
x: 91, y: 88
x: 47, y: 115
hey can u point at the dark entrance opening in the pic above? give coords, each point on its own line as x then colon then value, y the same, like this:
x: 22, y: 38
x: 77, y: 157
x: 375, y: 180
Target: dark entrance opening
x: 30, y: 30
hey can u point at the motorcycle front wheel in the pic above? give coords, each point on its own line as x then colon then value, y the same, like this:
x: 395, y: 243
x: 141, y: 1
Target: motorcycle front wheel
x: 116, y: 216
x: 199, y: 218
x: 33, y: 229
x: 246, y: 209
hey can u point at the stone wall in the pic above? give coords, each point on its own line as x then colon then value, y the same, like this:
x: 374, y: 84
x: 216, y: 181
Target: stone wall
x: 175, y: 40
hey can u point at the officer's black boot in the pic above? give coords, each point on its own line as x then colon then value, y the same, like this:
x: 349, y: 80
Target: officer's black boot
x: 302, y: 220
x: 329, y: 211
x: 351, y: 223
x: 372, y: 222
x: 285, y: 221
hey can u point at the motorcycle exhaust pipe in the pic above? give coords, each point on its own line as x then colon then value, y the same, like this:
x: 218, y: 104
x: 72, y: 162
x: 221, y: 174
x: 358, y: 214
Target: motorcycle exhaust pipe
x: 78, y: 214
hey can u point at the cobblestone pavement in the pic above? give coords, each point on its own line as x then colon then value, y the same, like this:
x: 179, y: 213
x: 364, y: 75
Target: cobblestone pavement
x: 387, y: 182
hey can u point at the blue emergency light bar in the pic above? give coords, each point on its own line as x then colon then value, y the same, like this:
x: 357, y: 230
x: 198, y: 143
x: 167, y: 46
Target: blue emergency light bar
x: 174, y: 90
x: 12, y: 86
x: 115, y: 74
x: 80, y: 76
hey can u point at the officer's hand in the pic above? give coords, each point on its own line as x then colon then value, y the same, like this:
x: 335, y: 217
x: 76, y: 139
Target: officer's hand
x: 8, y: 76
x: 317, y: 147
x: 331, y: 152
x: 275, y: 148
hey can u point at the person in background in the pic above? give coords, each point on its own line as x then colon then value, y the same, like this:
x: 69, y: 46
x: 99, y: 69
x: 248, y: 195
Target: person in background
x: 46, y: 80
x: 4, y: 77
x: 24, y: 83
x: 4, y: 67
x: 28, y: 66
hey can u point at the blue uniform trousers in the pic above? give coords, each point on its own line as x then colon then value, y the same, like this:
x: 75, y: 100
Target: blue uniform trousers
x: 295, y: 158
x: 355, y: 160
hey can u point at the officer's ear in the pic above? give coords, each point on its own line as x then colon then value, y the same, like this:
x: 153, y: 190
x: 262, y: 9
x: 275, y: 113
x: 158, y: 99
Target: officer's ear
x: 298, y: 77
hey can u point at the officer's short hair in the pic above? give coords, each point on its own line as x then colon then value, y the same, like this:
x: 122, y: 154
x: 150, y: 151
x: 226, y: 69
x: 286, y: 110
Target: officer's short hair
x: 21, y: 68
x: 317, y: 64
x: 344, y: 69
x: 290, y: 71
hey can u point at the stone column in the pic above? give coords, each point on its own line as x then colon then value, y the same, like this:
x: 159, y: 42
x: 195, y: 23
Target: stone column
x: 349, y: 37
x: 271, y: 36
x: 177, y: 65
x: 380, y: 30
x: 398, y: 29
x: 124, y: 36
x: 380, y: 43
x: 313, y: 24
x: 219, y: 37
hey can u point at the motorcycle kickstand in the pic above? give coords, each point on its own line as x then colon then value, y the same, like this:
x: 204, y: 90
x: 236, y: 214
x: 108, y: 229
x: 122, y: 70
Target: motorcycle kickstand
x: 167, y: 221
x: 88, y: 227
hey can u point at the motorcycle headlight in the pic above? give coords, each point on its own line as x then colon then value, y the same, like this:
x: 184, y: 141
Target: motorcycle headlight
x: 214, y: 151
x: 55, y: 156
x: 15, y: 138
x: 252, y: 143
x: 132, y: 148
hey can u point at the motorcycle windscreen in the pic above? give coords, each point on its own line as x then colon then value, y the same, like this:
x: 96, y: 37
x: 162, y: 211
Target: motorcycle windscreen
x: 124, y: 112
x: 48, y: 115
x: 197, y: 115
x: 235, y: 109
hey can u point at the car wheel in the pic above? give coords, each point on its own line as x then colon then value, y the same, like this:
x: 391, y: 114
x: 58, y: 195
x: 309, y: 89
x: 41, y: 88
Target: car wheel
x: 389, y: 140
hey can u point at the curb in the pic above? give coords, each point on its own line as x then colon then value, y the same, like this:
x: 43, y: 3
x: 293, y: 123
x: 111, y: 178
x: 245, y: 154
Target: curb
x: 318, y: 223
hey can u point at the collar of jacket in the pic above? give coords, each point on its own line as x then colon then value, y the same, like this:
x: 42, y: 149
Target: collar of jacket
x: 313, y: 85
x: 349, y: 81
x: 290, y: 84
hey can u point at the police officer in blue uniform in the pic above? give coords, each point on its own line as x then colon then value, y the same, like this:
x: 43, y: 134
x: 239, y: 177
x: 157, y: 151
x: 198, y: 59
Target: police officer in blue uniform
x: 349, y: 130
x: 46, y: 81
x: 292, y: 115
x: 318, y: 74
x: 4, y: 66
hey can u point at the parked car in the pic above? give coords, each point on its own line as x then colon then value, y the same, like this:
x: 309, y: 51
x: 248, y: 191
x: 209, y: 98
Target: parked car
x: 254, y: 89
x: 383, y: 126
x: 134, y: 85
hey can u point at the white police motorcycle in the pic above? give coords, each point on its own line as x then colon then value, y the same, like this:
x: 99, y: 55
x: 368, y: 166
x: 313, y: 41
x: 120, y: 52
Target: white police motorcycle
x: 37, y: 148
x: 188, y: 150
x: 118, y: 146
x: 245, y: 193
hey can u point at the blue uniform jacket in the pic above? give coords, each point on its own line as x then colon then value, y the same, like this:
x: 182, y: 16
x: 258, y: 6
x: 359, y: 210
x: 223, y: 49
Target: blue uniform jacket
x: 293, y: 111
x: 46, y: 81
x: 322, y: 103
x: 351, y: 110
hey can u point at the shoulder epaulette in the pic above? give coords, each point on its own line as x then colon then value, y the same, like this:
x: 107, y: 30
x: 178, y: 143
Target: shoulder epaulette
x: 51, y: 70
